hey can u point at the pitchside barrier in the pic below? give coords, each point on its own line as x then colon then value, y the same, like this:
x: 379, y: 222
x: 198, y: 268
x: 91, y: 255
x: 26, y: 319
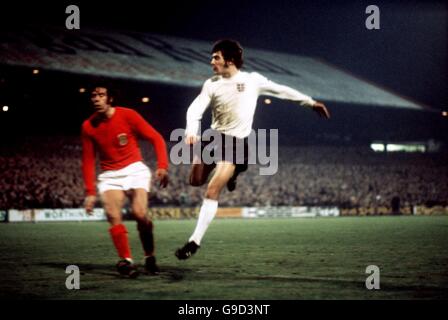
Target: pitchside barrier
x: 3, y: 215
x: 79, y: 214
x: 47, y: 215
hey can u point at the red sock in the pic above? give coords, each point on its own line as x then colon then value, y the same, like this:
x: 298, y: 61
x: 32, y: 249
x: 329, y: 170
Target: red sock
x: 120, y: 238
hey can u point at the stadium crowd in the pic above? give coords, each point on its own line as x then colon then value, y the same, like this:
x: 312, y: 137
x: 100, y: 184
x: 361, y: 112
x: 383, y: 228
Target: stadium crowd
x: 45, y: 172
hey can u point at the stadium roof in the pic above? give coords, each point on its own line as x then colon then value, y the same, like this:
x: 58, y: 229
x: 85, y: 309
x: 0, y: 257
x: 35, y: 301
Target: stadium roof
x: 184, y: 62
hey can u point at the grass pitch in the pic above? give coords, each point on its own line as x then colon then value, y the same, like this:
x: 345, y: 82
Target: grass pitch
x: 287, y: 259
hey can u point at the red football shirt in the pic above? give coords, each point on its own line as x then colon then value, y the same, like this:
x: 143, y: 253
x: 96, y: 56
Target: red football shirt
x: 116, y: 140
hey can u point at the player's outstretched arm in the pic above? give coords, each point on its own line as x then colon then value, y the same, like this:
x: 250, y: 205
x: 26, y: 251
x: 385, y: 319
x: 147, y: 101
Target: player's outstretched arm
x: 321, y: 110
x: 271, y: 88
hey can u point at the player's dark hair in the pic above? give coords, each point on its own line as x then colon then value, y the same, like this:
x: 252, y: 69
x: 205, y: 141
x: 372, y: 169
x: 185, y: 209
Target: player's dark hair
x: 104, y: 83
x: 231, y: 51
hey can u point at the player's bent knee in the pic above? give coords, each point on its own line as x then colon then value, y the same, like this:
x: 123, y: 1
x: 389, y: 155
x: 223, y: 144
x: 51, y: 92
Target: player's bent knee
x: 212, y: 192
x: 114, y: 219
x: 139, y: 213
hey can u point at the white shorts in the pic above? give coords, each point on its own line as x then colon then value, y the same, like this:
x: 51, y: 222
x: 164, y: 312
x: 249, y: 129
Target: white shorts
x: 134, y: 176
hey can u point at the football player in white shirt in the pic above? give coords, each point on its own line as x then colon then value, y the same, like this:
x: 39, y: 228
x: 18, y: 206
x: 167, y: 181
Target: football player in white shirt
x: 232, y: 95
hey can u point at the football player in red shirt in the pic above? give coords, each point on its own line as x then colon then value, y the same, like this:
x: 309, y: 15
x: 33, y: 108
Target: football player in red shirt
x: 113, y: 131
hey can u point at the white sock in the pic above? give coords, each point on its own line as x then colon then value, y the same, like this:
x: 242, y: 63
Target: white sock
x: 206, y: 215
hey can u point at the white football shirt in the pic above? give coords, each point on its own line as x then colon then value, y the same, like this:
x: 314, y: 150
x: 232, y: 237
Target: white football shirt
x: 233, y: 101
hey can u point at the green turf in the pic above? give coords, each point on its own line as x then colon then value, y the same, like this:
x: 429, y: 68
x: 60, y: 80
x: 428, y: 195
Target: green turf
x: 321, y: 258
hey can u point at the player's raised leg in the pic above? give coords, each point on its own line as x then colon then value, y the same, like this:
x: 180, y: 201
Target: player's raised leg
x: 224, y: 172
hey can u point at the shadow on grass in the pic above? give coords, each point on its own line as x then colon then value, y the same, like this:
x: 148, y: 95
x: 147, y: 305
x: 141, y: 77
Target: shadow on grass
x: 174, y: 274
x: 169, y: 273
